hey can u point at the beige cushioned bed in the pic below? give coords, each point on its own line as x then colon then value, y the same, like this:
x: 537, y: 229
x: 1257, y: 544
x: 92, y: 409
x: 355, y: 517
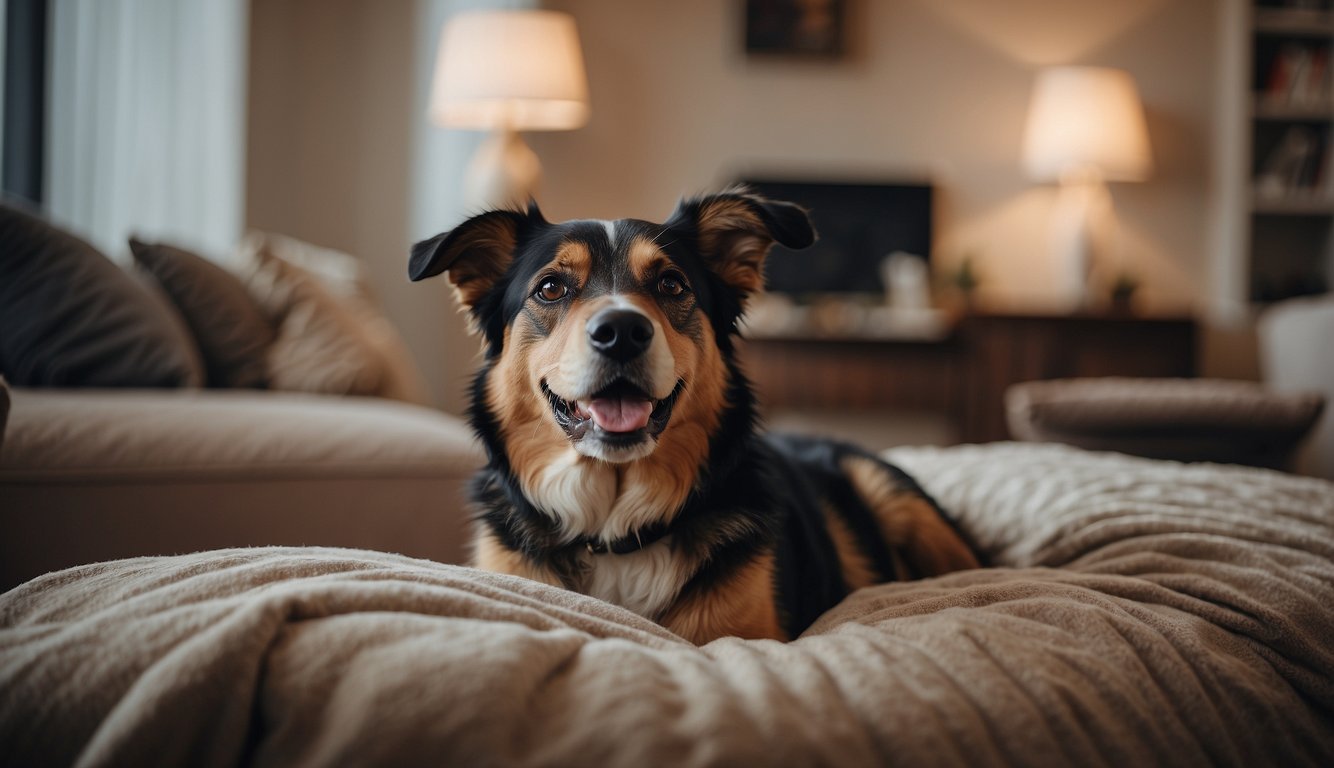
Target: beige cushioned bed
x: 1138, y: 613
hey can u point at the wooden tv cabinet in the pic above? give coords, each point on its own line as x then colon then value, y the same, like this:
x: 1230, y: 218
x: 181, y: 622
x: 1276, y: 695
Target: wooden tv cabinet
x: 964, y: 375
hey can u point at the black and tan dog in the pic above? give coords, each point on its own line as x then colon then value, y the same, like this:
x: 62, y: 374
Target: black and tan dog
x: 624, y: 457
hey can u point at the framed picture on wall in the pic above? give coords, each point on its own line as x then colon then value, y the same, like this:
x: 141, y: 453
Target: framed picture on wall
x: 812, y: 28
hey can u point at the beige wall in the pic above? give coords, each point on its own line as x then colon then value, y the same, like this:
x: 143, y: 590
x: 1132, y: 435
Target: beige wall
x: 935, y: 89
x: 331, y: 127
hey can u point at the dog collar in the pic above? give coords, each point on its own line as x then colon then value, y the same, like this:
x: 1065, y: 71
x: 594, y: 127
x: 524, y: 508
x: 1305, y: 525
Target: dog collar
x: 626, y: 544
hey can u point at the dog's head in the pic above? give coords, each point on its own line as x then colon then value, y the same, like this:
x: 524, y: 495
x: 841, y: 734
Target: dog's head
x: 610, y: 337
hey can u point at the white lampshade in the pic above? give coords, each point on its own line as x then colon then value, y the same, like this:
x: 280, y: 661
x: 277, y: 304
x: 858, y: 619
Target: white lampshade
x: 1086, y: 120
x: 515, y: 70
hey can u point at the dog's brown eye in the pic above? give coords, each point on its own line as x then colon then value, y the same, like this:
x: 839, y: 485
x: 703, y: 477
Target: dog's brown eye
x: 551, y: 290
x: 671, y: 285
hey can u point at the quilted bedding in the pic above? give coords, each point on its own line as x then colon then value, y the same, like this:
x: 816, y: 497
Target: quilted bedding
x: 1137, y: 613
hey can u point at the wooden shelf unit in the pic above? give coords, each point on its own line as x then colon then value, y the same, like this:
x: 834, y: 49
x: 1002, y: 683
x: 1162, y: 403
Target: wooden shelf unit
x: 1265, y: 109
x: 1294, y: 204
x: 1279, y: 20
x: 1290, y: 248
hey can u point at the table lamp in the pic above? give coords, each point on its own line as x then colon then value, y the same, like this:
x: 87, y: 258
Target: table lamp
x: 508, y: 71
x: 1085, y: 127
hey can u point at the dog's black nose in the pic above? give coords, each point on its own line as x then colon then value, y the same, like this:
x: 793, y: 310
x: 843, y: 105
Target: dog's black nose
x: 621, y: 334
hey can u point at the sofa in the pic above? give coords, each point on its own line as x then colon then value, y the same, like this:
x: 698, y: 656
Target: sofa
x: 181, y: 403
x: 88, y: 475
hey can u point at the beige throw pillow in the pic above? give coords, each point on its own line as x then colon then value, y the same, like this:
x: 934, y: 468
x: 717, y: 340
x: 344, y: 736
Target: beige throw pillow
x: 331, y: 337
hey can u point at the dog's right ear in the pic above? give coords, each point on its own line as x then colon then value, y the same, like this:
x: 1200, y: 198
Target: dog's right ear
x: 476, y: 253
x: 736, y: 228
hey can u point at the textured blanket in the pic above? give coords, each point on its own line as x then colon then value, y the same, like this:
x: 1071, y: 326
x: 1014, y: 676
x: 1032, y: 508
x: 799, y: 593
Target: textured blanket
x: 1138, y: 613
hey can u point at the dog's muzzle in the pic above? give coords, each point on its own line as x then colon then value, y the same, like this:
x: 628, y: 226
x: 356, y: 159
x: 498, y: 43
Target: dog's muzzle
x: 615, y: 417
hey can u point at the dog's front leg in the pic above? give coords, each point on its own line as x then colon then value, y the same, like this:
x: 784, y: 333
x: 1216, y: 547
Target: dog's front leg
x: 741, y: 606
x: 491, y: 555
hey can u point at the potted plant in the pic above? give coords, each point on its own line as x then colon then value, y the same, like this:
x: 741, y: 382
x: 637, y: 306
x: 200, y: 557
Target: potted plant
x: 1123, y: 292
x: 964, y: 280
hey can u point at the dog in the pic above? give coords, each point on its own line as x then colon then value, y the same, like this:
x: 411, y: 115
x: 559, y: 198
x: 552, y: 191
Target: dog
x: 624, y: 456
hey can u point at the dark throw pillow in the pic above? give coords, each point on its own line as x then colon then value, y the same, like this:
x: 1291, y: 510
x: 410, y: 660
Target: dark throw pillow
x: 232, y: 332
x: 4, y: 410
x: 70, y: 317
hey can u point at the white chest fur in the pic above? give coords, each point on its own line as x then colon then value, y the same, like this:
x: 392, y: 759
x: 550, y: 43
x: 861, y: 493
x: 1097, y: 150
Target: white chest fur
x: 593, y: 498
x: 645, y: 582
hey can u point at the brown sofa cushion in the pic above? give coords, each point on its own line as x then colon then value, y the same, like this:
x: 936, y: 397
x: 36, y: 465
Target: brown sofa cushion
x: 70, y: 317
x: 232, y: 333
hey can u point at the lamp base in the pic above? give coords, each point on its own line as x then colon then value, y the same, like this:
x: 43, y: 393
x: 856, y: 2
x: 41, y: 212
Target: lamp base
x: 504, y: 172
x: 1080, y: 211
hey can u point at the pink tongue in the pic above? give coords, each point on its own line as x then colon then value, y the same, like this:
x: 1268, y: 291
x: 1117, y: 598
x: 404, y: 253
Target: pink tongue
x: 614, y: 414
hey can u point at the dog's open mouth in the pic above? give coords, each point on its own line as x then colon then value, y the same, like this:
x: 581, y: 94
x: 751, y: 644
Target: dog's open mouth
x: 620, y: 412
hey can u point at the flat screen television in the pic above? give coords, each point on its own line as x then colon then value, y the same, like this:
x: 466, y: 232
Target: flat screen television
x: 859, y: 225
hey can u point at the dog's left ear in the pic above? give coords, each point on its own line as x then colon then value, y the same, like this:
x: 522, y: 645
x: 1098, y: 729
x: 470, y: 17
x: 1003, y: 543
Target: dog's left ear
x: 736, y: 229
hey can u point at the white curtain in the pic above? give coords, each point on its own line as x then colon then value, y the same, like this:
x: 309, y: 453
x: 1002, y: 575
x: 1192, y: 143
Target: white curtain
x: 4, y: 13
x: 441, y: 155
x: 147, y: 121
x: 436, y: 203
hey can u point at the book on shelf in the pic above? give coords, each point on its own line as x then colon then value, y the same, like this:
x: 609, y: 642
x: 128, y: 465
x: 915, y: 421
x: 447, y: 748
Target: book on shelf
x: 1298, y: 165
x: 1299, y: 75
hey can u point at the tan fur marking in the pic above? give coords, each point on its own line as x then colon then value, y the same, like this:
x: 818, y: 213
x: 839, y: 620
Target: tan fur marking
x: 910, y: 525
x: 473, y: 277
x: 644, y: 258
x: 573, y: 257
x: 514, y: 397
x: 878, y: 490
x: 743, y: 606
x: 857, y: 569
x: 490, y: 555
x: 697, y: 414
x: 737, y: 241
